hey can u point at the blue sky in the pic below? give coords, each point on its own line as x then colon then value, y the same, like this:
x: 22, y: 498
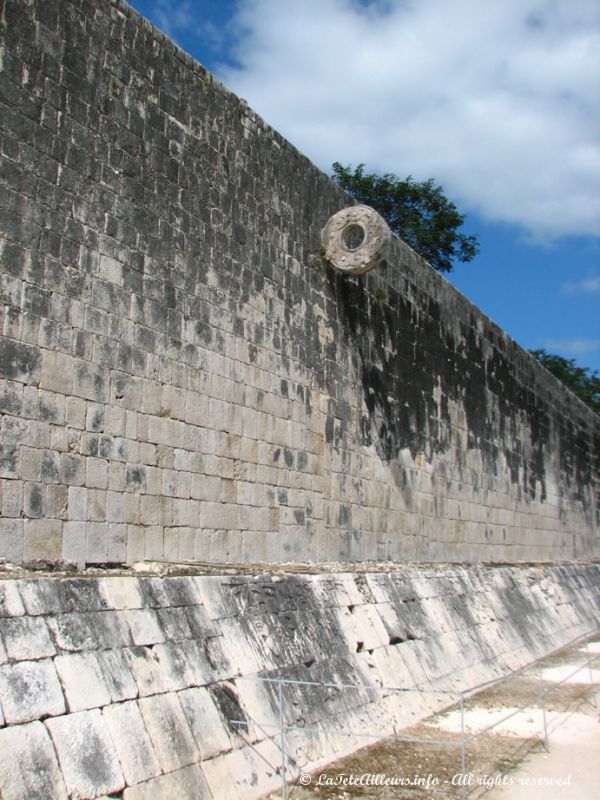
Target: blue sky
x: 497, y: 101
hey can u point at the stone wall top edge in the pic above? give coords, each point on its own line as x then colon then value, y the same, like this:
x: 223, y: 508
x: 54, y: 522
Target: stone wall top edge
x: 277, y: 572
x: 197, y: 67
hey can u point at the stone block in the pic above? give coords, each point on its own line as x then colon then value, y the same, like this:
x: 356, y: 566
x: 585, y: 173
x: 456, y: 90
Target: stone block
x: 134, y: 748
x: 174, y: 624
x: 28, y: 765
x: 11, y: 397
x: 72, y: 469
x: 188, y: 783
x: 136, y: 543
x: 117, y: 543
x: 86, y: 754
x: 42, y: 539
x: 9, y: 460
x: 19, y: 361
x: 114, y: 506
x: 57, y: 502
x: 90, y: 381
x: 26, y: 638
x: 169, y: 731
x: 73, y: 545
x: 34, y: 499
x: 145, y: 626
x: 176, y: 670
x: 96, y: 543
x: 205, y: 722
x: 14, y: 430
x: 11, y: 604
x: 82, y: 681
x: 11, y: 540
x: 122, y: 592
x: 77, y: 503
x: 75, y: 412
x: 243, y: 773
x: 50, y: 467
x: 148, y: 675
x: 56, y: 372
x: 11, y: 492
x: 96, y: 473
x: 74, y: 632
x: 117, y: 676
x: 30, y: 690
x: 40, y: 596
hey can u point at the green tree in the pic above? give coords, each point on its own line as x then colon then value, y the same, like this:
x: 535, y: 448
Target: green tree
x: 418, y: 212
x: 580, y: 380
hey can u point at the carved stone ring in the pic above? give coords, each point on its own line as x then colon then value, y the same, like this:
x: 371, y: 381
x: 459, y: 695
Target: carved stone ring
x: 355, y: 239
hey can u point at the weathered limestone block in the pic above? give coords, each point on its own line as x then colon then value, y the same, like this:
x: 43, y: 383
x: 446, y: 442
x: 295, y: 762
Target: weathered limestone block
x: 168, y: 730
x: 30, y: 690
x: 188, y: 783
x: 26, y: 638
x: 134, y: 748
x: 86, y: 754
x: 173, y: 706
x: 81, y: 677
x: 29, y: 769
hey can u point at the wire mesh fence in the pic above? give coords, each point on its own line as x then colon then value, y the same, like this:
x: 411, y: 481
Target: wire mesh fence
x: 313, y: 722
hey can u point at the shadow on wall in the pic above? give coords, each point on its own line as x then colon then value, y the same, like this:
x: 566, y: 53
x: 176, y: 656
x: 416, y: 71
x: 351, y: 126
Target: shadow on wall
x: 412, y: 365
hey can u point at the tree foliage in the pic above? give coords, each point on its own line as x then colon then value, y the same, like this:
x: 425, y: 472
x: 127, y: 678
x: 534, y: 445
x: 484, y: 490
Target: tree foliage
x: 418, y: 212
x: 580, y: 380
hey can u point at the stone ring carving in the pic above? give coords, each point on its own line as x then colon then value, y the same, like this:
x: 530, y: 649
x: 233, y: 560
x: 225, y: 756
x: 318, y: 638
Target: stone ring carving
x: 355, y: 239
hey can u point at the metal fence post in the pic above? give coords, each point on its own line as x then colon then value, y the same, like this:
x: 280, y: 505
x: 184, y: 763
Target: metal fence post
x: 592, y: 684
x: 462, y: 746
x: 543, y: 702
x: 284, y: 792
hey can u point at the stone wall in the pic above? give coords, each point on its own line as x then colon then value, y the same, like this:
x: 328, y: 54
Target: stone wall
x: 183, y: 378
x: 130, y: 686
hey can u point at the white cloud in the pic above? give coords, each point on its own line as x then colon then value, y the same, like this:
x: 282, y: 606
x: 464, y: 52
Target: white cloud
x: 586, y: 285
x: 172, y: 16
x: 574, y: 347
x: 495, y: 100
x: 178, y: 17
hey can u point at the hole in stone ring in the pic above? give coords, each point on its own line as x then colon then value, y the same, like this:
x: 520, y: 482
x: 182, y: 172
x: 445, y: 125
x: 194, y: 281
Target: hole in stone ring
x: 353, y: 236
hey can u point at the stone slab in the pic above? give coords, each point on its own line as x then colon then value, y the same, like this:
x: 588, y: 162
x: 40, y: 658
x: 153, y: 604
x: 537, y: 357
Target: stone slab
x: 29, y: 769
x: 30, y: 690
x: 86, y: 754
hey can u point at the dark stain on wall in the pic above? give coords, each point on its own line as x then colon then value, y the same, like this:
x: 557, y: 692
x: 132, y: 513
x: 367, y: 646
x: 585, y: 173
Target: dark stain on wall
x: 407, y: 353
x: 162, y: 239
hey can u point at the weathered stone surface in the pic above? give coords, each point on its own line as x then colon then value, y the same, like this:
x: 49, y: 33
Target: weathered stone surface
x: 116, y: 674
x: 188, y: 783
x: 144, y: 625
x: 11, y: 604
x: 26, y: 638
x: 30, y: 690
x: 19, y: 361
x: 82, y: 680
x: 86, y: 754
x: 169, y: 706
x: 169, y: 731
x: 133, y: 746
x: 28, y: 765
x: 11, y: 536
x: 205, y: 722
x: 180, y: 361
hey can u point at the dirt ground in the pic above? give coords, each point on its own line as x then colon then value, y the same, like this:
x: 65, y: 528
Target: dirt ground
x: 508, y: 762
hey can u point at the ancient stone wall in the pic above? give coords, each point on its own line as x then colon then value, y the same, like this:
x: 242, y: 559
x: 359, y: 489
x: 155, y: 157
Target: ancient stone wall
x: 132, y: 686
x: 182, y: 377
